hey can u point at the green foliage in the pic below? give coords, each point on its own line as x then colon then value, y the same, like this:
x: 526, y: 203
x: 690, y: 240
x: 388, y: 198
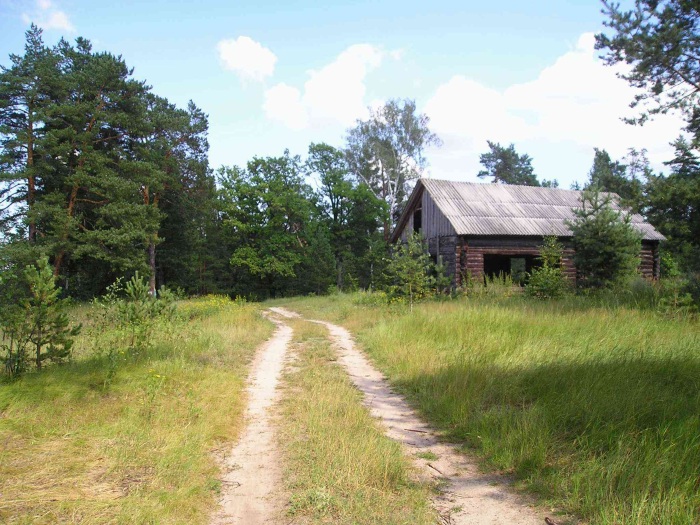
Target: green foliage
x: 548, y: 281
x: 410, y: 273
x: 386, y: 152
x: 50, y: 332
x: 506, y: 166
x: 39, y: 329
x: 140, y: 311
x: 619, y: 178
x: 673, y: 206
x: 606, y: 245
x: 659, y: 39
x: 268, y: 217
x: 350, y: 212
x: 92, y: 165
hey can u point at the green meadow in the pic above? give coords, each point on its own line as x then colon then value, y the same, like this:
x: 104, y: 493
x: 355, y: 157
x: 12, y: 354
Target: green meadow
x: 595, y: 410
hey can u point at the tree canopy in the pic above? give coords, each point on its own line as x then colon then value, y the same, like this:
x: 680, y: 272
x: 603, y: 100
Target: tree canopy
x: 387, y: 152
x: 659, y: 39
x: 506, y: 166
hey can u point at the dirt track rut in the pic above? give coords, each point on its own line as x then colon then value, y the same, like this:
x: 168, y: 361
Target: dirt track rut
x: 467, y: 496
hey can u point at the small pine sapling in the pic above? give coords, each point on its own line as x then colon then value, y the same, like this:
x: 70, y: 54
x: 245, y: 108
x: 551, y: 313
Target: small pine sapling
x: 46, y: 322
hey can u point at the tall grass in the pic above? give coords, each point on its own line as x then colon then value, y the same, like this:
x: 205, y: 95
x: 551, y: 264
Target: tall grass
x: 595, y: 409
x: 134, y: 449
x: 341, y: 468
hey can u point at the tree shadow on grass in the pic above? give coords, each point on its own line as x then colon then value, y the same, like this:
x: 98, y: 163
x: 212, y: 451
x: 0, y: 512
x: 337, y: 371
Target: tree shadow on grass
x: 617, y: 437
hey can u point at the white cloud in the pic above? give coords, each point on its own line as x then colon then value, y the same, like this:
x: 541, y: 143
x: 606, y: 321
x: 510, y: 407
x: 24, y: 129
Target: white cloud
x: 577, y: 101
x: 335, y: 94
x: 249, y: 59
x: 48, y: 17
x: 283, y: 103
x: 396, y: 54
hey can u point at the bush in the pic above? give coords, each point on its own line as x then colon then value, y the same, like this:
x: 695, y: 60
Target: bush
x: 548, y: 281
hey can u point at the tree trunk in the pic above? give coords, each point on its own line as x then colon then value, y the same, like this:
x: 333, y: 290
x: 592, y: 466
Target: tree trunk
x: 64, y: 237
x: 31, y: 183
x: 38, y: 348
x: 152, y: 264
x: 339, y: 278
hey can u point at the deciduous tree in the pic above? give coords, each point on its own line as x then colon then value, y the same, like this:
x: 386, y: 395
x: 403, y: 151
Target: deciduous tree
x: 351, y: 212
x: 386, y: 152
x: 620, y: 178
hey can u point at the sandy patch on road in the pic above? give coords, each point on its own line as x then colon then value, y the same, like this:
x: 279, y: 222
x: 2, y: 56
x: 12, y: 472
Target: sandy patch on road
x: 251, y: 491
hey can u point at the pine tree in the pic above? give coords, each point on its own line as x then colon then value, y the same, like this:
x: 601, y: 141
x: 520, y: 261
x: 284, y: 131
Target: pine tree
x: 606, y: 244
x: 49, y: 329
x: 506, y: 166
x: 28, y: 88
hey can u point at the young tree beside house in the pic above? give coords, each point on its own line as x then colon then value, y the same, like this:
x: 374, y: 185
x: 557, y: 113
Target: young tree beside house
x: 606, y: 245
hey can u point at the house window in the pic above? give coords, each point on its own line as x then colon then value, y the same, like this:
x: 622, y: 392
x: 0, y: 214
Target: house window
x: 517, y: 266
x: 418, y: 220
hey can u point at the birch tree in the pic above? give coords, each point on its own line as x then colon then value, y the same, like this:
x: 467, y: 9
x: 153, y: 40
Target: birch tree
x: 386, y: 152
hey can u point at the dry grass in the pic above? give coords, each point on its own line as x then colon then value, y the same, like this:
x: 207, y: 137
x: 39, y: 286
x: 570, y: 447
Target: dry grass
x: 75, y: 448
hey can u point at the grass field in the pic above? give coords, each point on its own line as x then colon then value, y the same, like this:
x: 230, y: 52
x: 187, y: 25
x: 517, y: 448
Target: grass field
x: 128, y: 438
x: 341, y: 469
x: 595, y: 410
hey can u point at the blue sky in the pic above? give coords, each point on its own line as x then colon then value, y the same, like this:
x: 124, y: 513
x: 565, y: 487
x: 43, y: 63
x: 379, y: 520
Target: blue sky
x: 276, y: 75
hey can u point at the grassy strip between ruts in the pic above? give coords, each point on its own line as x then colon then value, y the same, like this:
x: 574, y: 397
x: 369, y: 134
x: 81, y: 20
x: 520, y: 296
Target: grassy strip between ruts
x: 137, y: 448
x: 596, y: 410
x: 340, y: 468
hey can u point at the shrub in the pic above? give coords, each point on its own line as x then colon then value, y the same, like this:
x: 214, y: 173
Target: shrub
x: 548, y: 281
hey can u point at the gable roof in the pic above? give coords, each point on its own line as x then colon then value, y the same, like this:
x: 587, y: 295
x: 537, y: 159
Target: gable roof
x: 474, y: 208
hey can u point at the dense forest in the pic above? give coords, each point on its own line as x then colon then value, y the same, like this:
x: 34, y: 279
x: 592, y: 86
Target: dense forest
x: 106, y: 178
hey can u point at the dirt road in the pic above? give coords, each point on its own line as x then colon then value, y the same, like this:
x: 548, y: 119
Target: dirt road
x: 253, y: 474
x: 466, y: 495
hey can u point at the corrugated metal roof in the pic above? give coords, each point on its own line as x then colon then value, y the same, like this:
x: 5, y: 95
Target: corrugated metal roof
x: 502, y: 209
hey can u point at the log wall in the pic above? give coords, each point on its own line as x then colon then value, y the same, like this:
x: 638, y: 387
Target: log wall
x: 650, y: 263
x: 472, y: 251
x: 465, y: 256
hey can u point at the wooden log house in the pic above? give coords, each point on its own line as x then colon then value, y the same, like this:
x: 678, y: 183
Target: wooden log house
x: 489, y: 229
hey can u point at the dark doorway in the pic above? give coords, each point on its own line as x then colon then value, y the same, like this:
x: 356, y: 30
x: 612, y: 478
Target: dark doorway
x: 517, y: 266
x: 417, y: 220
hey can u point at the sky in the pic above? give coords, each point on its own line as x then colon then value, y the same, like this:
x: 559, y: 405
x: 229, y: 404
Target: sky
x: 276, y: 75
